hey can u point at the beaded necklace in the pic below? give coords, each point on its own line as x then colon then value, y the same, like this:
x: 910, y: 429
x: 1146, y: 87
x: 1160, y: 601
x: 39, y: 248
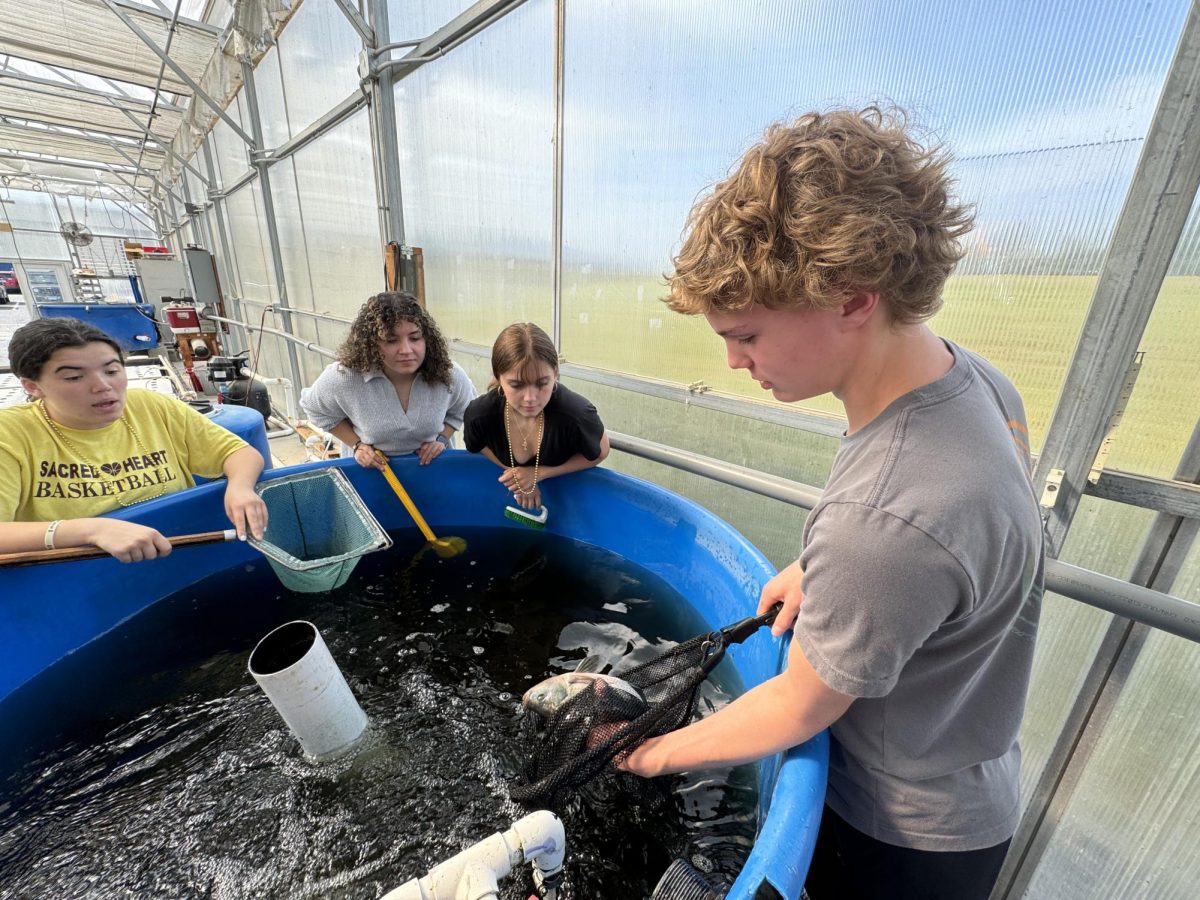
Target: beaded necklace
x: 137, y: 439
x: 537, y: 453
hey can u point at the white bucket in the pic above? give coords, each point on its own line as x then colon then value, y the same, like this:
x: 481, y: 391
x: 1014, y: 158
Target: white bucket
x: 296, y: 671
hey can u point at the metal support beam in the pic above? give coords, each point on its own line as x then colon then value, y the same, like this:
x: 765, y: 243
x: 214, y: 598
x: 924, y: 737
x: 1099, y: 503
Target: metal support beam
x: 1158, y: 609
x: 226, y: 262
x: 698, y: 395
x: 187, y: 79
x: 292, y: 340
x: 1163, y: 554
x: 165, y: 15
x: 457, y: 31
x: 348, y: 107
x: 360, y: 25
x: 556, y: 311
x: 384, y: 137
x: 260, y: 162
x: 1139, y: 252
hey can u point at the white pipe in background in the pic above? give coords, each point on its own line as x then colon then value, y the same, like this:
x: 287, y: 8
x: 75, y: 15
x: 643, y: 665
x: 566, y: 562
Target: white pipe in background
x: 474, y: 874
x: 289, y: 392
x: 297, y: 673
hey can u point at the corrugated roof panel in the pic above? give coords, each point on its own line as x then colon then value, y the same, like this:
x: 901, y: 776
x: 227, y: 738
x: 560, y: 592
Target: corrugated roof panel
x: 67, y: 107
x: 87, y: 36
x: 76, y: 147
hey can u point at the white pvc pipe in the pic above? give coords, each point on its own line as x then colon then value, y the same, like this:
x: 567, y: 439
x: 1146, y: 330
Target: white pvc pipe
x: 289, y: 392
x: 297, y: 673
x: 474, y: 874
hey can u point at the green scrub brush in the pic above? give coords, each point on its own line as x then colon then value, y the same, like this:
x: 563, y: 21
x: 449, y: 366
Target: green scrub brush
x: 528, y: 517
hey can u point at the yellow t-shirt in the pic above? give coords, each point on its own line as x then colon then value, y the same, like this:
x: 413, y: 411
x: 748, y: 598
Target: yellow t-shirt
x: 155, y: 448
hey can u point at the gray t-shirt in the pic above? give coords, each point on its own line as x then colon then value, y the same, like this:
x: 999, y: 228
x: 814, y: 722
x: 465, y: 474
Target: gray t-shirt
x: 369, y: 402
x: 923, y: 569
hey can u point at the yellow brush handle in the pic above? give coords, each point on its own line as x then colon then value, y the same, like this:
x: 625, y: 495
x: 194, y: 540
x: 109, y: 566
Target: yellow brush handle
x: 407, y: 501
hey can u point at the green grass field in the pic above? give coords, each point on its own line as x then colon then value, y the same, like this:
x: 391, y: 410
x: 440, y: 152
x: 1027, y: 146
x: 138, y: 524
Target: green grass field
x: 1025, y: 324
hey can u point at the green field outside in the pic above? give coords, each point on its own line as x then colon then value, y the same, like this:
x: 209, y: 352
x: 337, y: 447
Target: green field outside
x: 1025, y: 324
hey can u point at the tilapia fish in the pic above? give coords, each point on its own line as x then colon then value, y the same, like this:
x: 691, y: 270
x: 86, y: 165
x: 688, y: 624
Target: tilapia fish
x: 546, y: 697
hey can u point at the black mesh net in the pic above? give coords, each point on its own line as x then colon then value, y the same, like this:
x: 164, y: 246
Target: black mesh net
x: 605, y: 721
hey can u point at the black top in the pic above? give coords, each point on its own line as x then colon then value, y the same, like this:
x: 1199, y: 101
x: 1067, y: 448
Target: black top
x: 572, y: 426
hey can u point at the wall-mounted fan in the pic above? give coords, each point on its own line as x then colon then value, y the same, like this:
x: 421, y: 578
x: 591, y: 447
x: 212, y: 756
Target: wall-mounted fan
x: 76, y: 233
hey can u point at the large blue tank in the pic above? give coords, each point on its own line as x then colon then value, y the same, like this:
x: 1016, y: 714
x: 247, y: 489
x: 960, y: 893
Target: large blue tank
x: 246, y: 423
x: 131, y: 325
x: 47, y: 612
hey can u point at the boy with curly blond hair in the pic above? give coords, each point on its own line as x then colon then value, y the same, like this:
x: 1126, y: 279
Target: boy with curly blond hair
x: 915, y: 600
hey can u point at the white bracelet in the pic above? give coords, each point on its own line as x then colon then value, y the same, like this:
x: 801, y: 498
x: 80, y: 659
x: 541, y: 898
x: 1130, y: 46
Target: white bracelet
x: 50, y: 529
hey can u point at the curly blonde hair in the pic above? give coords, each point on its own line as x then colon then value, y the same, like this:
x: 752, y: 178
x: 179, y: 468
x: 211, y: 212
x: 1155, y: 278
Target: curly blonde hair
x: 832, y: 204
x: 376, y: 321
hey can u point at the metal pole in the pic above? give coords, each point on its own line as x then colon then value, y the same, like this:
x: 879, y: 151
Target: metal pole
x: 1163, y: 554
x: 560, y: 15
x: 1139, y: 252
x: 226, y: 262
x: 356, y: 20
x: 258, y: 160
x: 1154, y: 608
x: 292, y: 340
x: 383, y: 110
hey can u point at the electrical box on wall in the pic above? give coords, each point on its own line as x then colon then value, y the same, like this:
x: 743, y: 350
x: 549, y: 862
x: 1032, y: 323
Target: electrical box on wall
x: 206, y: 288
x: 161, y: 277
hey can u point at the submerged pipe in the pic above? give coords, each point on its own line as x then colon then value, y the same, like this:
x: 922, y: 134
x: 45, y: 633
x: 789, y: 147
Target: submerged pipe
x: 294, y: 668
x: 475, y: 873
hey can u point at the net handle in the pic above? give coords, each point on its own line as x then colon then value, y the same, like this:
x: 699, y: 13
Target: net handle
x: 66, y: 554
x: 739, y: 631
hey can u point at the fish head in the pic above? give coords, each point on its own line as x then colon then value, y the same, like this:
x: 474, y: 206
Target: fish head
x: 545, y: 697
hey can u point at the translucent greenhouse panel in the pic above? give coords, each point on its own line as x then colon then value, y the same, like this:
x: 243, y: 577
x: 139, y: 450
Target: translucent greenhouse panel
x: 476, y: 131
x: 318, y: 55
x: 1129, y: 830
x: 1107, y: 538
x: 232, y: 158
x: 290, y: 226
x: 662, y: 98
x: 1165, y: 404
x: 414, y: 19
x: 272, y: 106
x: 244, y: 210
x: 774, y: 527
x: 29, y: 209
x: 336, y: 190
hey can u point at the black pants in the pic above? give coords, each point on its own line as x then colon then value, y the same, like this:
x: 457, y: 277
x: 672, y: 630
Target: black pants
x: 849, y: 865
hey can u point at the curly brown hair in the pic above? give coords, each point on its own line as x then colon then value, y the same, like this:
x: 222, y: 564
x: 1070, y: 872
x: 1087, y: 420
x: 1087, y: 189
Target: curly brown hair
x: 376, y: 321
x: 831, y: 204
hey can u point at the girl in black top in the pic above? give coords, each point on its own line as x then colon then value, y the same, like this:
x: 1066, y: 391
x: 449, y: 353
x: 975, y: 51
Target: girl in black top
x: 529, y: 424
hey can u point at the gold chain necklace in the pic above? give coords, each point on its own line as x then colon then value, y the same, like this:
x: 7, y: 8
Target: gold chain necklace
x: 537, y: 454
x: 137, y: 439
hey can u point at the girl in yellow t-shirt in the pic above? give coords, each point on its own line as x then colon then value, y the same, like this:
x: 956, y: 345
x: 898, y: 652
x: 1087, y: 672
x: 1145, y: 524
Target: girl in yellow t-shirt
x: 85, y: 446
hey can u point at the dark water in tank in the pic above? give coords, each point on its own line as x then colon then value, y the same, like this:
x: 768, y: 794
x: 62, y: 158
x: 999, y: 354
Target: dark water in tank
x: 149, y: 764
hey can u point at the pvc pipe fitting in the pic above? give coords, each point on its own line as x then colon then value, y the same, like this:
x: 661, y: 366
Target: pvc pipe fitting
x: 538, y: 838
x: 294, y: 668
